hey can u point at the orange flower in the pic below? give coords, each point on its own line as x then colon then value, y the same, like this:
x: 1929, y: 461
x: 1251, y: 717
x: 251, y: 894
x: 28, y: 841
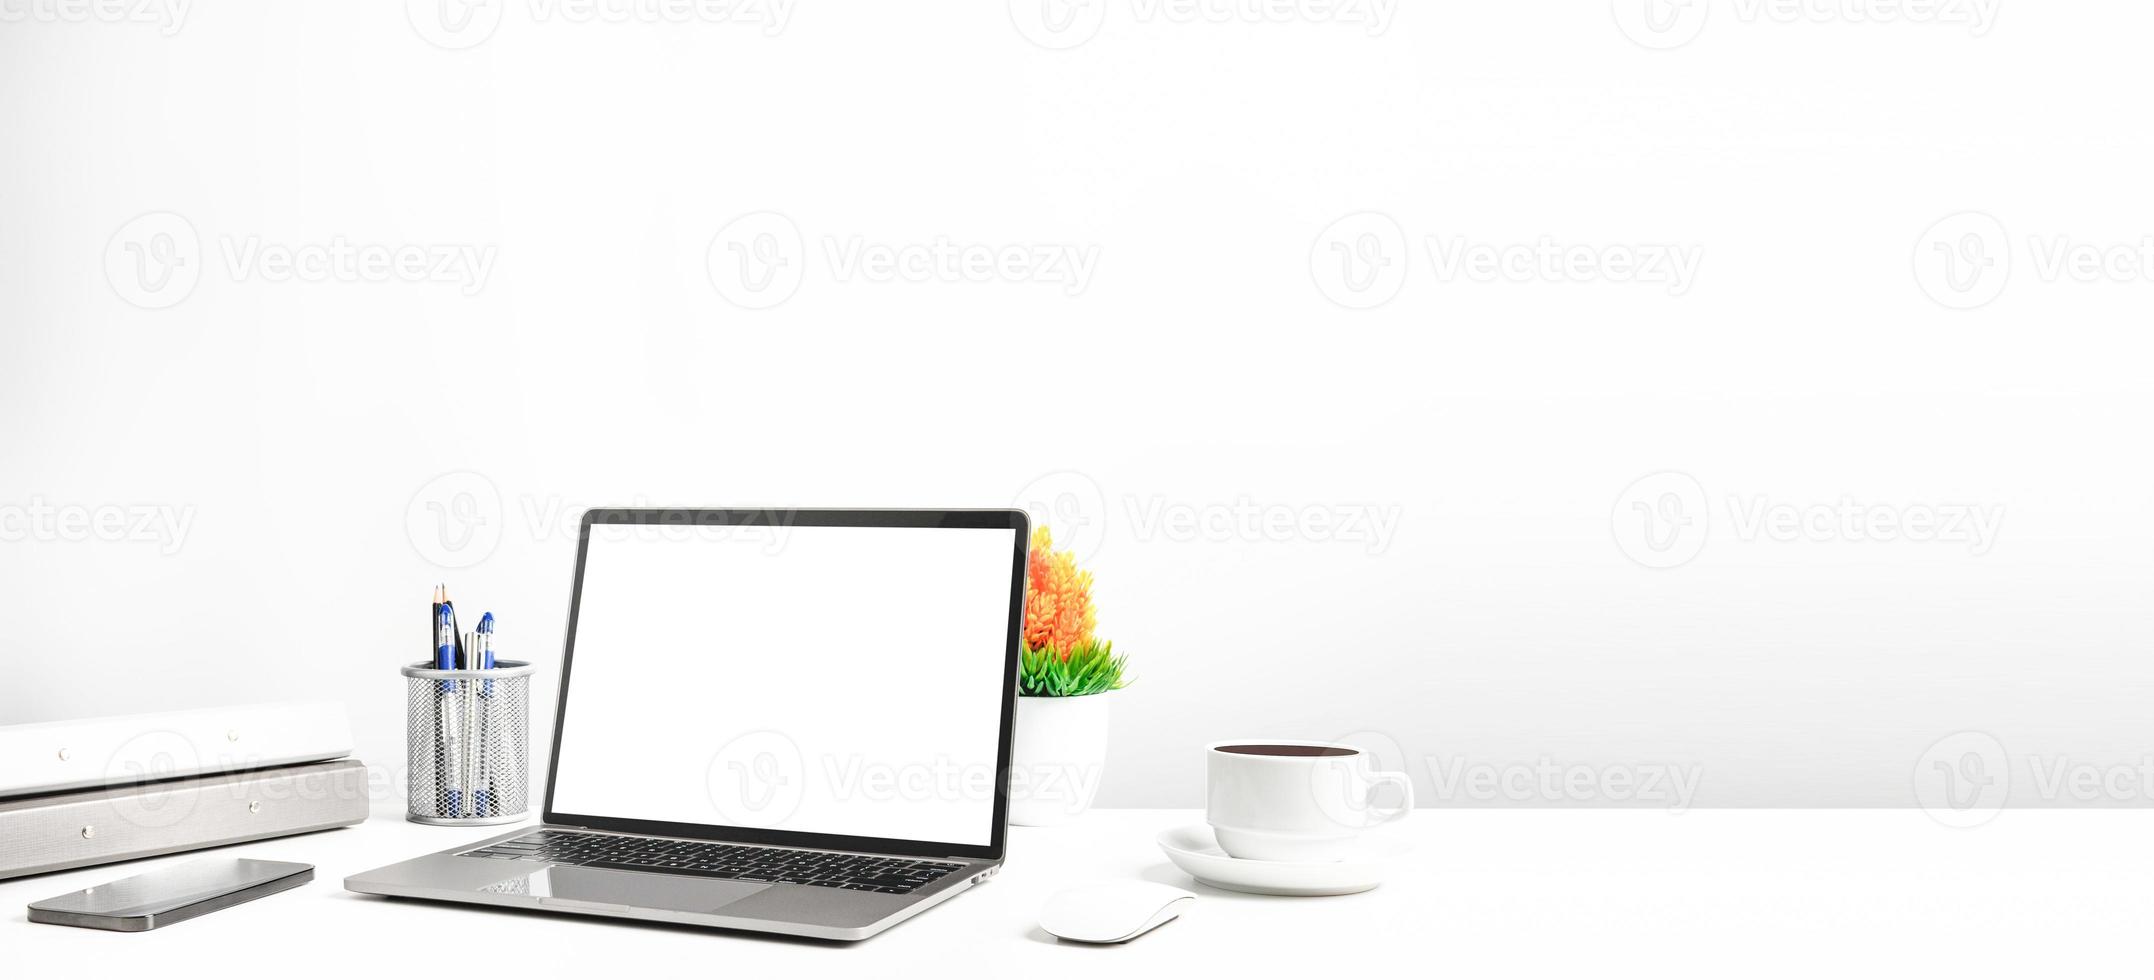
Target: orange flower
x: 1058, y: 598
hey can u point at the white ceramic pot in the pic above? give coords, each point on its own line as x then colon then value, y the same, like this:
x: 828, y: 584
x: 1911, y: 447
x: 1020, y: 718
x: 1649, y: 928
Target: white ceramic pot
x: 1059, y: 751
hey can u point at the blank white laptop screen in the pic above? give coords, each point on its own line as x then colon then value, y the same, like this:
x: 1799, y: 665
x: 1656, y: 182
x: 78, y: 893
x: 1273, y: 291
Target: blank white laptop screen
x: 827, y: 680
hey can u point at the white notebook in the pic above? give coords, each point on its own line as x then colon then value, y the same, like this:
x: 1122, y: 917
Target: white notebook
x: 47, y: 757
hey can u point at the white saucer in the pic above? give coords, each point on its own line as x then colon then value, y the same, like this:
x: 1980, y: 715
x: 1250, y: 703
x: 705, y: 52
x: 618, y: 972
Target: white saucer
x: 1193, y: 849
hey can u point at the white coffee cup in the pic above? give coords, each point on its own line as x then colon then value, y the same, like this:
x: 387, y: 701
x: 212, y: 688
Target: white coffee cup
x: 1285, y: 800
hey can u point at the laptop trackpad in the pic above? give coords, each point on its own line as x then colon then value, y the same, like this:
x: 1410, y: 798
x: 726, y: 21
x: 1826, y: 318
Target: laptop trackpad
x: 600, y: 888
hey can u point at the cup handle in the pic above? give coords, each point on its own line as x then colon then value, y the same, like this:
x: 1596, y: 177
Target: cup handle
x: 1380, y: 815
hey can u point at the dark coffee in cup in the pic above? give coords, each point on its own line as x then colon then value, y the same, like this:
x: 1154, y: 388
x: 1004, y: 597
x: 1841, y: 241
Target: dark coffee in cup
x: 1289, y: 751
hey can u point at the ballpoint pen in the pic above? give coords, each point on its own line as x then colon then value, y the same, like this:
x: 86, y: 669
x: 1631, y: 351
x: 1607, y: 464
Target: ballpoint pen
x: 467, y: 761
x: 482, y: 652
x: 445, y: 702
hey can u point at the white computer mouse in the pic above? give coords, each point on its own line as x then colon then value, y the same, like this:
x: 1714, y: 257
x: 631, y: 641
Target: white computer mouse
x: 1112, y: 912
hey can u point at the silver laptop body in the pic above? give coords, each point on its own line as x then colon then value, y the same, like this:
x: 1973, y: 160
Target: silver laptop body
x: 750, y: 741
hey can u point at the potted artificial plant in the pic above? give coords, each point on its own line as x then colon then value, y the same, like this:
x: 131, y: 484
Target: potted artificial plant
x: 1066, y: 680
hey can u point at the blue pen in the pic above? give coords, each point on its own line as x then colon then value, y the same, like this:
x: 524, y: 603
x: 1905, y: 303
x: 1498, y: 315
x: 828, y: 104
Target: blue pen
x: 485, y: 656
x: 444, y: 640
x: 482, y: 655
x: 451, y: 729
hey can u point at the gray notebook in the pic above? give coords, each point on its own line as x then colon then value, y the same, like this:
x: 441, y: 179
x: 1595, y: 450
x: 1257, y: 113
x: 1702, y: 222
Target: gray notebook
x: 75, y: 829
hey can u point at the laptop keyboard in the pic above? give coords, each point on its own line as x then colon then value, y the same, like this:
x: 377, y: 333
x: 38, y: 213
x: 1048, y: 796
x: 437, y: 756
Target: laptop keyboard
x: 707, y: 859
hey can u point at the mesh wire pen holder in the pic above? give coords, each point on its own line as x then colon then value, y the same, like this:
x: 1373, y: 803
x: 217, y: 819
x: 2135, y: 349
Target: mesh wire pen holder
x: 468, y: 743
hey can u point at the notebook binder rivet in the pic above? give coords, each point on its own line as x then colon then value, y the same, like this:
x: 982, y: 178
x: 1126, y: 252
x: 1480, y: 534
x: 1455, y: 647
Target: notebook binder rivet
x: 254, y: 806
x: 66, y: 755
x: 89, y: 832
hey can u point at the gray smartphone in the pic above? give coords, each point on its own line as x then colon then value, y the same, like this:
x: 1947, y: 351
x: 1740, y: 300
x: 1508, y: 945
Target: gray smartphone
x: 169, y: 895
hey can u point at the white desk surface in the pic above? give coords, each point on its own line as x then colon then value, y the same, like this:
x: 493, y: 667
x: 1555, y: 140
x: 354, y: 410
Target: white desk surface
x: 1485, y: 892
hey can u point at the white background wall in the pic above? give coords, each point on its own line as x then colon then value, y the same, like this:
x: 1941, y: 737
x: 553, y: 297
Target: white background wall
x: 336, y: 441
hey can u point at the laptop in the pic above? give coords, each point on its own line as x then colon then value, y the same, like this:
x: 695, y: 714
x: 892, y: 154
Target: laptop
x: 785, y: 721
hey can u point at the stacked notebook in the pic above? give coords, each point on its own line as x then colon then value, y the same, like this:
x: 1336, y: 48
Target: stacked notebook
x: 77, y: 793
